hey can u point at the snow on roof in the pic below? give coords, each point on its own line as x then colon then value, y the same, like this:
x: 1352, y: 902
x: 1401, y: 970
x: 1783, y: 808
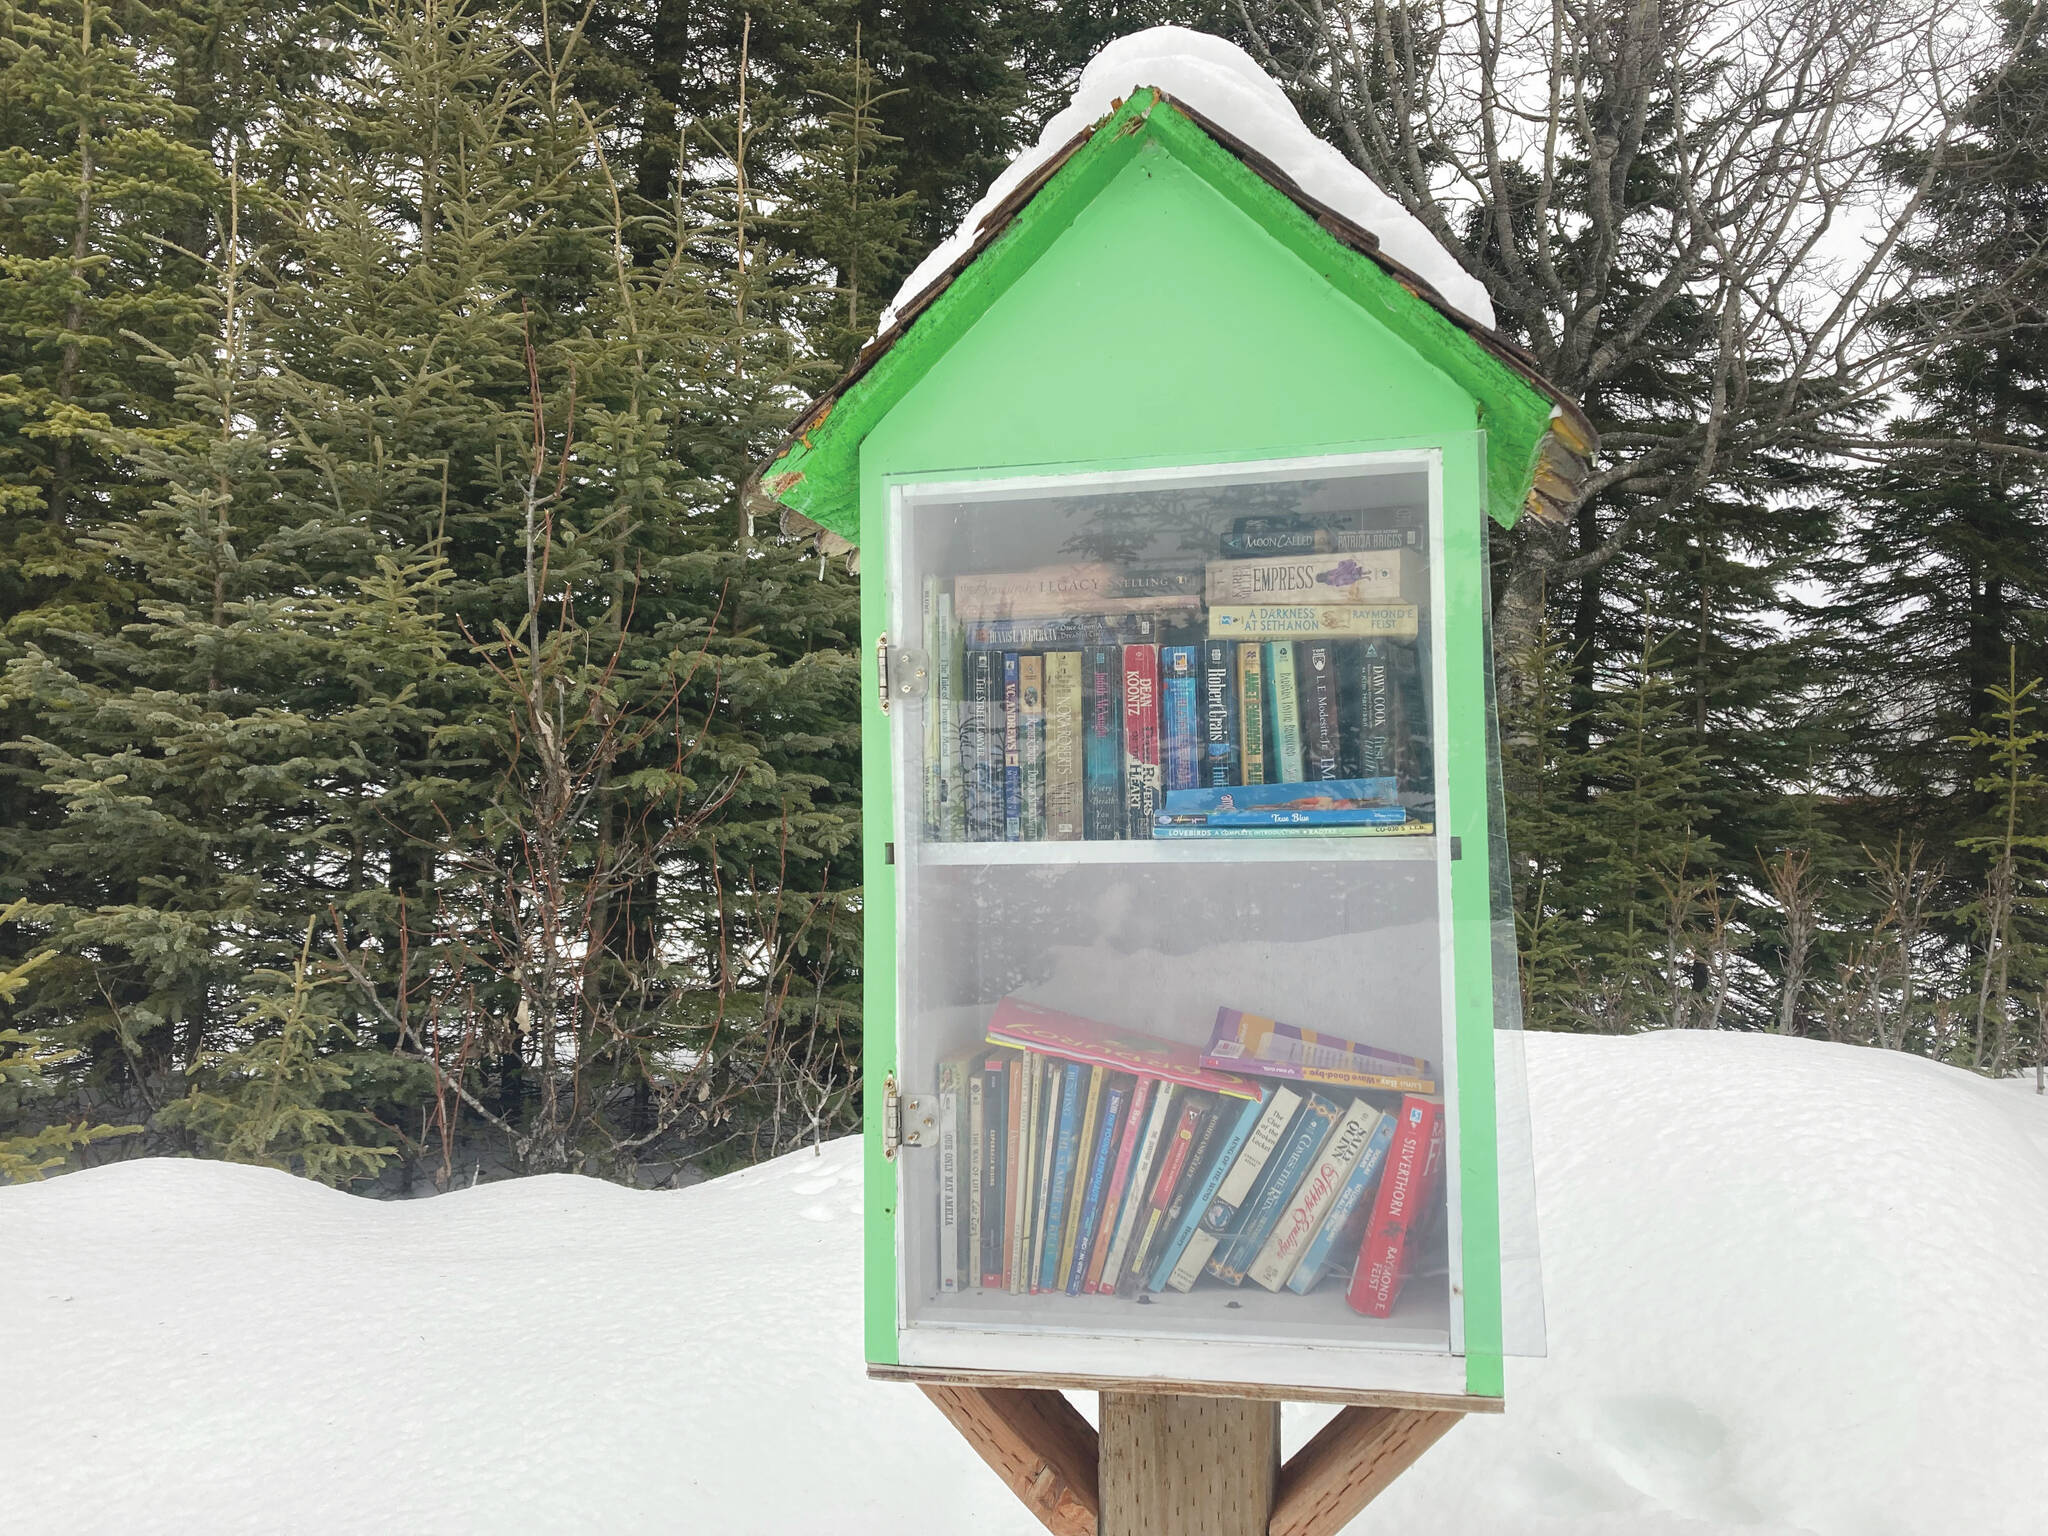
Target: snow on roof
x: 1219, y: 80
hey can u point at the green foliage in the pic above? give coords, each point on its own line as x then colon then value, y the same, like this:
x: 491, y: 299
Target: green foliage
x: 26, y: 1064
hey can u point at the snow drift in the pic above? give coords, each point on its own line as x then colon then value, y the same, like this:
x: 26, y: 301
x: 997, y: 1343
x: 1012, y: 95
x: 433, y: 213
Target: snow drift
x: 1792, y: 1288
x: 1219, y: 80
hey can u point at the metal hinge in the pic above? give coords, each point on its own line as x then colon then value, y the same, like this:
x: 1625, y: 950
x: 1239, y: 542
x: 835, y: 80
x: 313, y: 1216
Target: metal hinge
x: 908, y: 1120
x: 901, y: 672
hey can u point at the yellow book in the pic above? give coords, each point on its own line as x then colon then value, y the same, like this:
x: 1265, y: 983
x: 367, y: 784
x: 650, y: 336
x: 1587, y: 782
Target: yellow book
x: 1308, y: 621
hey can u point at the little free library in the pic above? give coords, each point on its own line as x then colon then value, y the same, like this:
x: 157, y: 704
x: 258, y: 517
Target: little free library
x: 1171, y: 490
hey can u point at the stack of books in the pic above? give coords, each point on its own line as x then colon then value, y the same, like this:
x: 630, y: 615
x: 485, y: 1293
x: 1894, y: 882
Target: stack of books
x: 1094, y: 700
x: 1082, y: 1159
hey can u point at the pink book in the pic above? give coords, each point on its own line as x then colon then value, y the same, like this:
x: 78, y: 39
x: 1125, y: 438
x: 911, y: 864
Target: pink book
x: 1072, y: 1038
x: 1112, y: 1204
x: 1249, y: 1043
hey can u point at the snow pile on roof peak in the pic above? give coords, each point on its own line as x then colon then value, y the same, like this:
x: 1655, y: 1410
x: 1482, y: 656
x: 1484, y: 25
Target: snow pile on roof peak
x: 1219, y: 80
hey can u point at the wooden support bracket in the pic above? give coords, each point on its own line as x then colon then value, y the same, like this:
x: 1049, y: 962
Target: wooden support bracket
x: 1169, y: 1464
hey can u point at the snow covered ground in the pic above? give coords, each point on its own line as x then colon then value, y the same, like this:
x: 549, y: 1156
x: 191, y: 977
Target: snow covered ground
x: 1792, y: 1288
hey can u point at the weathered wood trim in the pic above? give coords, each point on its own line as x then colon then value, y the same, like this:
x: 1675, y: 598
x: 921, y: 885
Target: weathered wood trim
x: 1327, y: 1482
x: 1437, y: 1402
x: 1037, y: 1443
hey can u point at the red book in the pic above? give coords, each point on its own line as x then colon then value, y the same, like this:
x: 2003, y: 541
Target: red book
x: 1142, y: 773
x: 1415, y: 1162
x: 1120, y: 1172
x: 1073, y: 1038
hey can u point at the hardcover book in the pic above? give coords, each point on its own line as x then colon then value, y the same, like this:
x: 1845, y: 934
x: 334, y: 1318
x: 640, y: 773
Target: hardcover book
x: 1063, y: 773
x: 1180, y: 729
x: 1027, y: 1026
x: 1134, y: 1116
x: 1414, y: 1164
x: 1031, y: 743
x: 1228, y: 1134
x: 1283, y: 709
x: 1141, y: 738
x: 1247, y: 1042
x: 1219, y: 714
x: 1102, y: 752
x: 1013, y: 742
x: 1251, y: 703
x: 1342, y: 1228
x: 1321, y: 720
x: 1313, y: 1197
x: 1285, y: 1170
x: 1361, y: 576
x: 1065, y: 1151
x: 1116, y: 1094
x: 1307, y: 621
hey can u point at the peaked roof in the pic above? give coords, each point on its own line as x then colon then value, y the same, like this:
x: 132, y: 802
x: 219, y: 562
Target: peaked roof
x: 1539, y: 440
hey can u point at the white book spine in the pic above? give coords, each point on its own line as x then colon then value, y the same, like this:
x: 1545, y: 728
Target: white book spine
x: 975, y: 1125
x: 1193, y: 1260
x: 1135, y: 1192
x: 1265, y: 1136
x: 1027, y: 1148
x: 1314, y: 1196
x: 949, y: 1191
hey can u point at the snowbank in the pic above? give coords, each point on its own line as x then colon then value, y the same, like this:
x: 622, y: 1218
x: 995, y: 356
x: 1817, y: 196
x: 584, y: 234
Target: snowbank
x: 1219, y: 80
x: 1792, y: 1288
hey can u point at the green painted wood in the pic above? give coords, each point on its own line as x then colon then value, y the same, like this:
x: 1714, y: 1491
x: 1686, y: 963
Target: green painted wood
x: 818, y: 476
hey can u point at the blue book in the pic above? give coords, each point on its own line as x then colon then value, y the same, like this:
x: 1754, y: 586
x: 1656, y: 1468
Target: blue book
x: 1349, y: 816
x: 1181, y: 721
x: 1191, y: 1216
x: 1351, y: 1201
x: 1013, y: 751
x: 1330, y: 794
x: 1259, y: 1214
x: 1065, y: 1152
x: 1102, y: 741
x: 1113, y: 1101
x: 1219, y: 713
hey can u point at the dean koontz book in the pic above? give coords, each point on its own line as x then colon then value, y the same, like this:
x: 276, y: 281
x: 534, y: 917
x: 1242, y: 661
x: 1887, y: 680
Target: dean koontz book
x: 1141, y: 738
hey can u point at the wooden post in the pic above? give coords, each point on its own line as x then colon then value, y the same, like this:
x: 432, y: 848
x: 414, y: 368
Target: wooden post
x: 1179, y: 1465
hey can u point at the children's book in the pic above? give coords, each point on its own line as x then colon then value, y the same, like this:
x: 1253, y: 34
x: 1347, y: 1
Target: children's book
x: 1285, y: 1170
x: 1414, y: 1165
x: 1027, y: 1026
x: 1313, y: 1196
x: 1245, y: 1042
x: 1340, y: 1231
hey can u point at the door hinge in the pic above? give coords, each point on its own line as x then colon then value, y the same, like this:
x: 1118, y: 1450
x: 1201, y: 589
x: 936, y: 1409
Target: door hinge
x: 908, y: 1120
x: 901, y: 672
x: 882, y: 668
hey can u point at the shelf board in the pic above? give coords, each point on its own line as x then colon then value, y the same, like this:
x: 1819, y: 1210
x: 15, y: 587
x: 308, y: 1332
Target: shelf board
x: 1294, y: 848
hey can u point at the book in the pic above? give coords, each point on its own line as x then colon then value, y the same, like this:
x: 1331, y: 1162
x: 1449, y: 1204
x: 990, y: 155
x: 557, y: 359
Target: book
x: 1283, y: 711
x: 1228, y: 1135
x: 1070, y: 631
x: 1315, y: 541
x: 1116, y: 1093
x: 1135, y: 1116
x: 1180, y: 715
x: 1305, y: 621
x: 1406, y: 828
x: 1164, y: 1111
x: 1063, y: 746
x: 1342, y: 1228
x: 1248, y: 1042
x: 1052, y: 1079
x: 1027, y: 1026
x: 1169, y: 1224
x: 1065, y: 1149
x: 995, y: 1104
x: 1219, y: 713
x: 1188, y: 1114
x: 1251, y: 705
x: 1285, y: 1170
x: 1355, y: 576
x: 1023, y: 1166
x: 1322, y: 731
x: 1102, y: 746
x: 947, y: 667
x: 1414, y: 1164
x: 1013, y: 742
x: 1313, y: 1197
x: 1031, y: 743
x: 1375, y: 717
x: 977, y: 1115
x: 1084, y: 1150
x: 952, y: 1142
x: 934, y: 811
x: 984, y: 689
x: 1081, y: 587
x: 1379, y: 816
x: 1218, y: 1221
x: 1325, y: 795
x: 1141, y: 738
